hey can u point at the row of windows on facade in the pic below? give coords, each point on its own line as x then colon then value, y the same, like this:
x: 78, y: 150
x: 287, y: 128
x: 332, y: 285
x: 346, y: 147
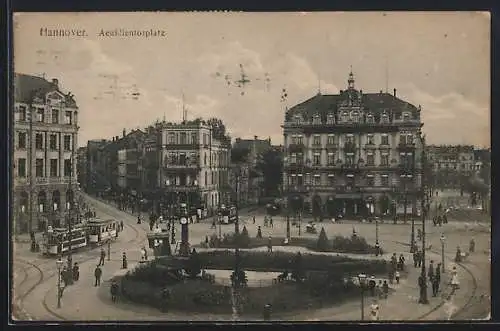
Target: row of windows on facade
x: 22, y: 141
x: 23, y: 115
x: 182, y: 180
x: 182, y: 138
x: 350, y: 117
x: 454, y: 166
x: 455, y: 158
x: 406, y: 139
x: 181, y: 158
x: 40, y: 167
x: 316, y: 180
x: 405, y: 159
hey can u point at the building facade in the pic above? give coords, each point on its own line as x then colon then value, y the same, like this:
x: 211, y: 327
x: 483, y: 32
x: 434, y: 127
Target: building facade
x: 353, y: 154
x: 45, y: 136
x: 81, y: 167
x: 452, y: 166
x: 194, y: 165
x: 246, y: 171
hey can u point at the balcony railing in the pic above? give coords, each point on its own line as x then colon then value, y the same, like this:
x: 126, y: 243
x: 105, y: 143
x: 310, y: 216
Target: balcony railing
x: 350, y: 166
x: 296, y: 147
x: 349, y: 146
x: 405, y: 145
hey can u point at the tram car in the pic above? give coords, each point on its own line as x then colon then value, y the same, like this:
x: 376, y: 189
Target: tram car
x: 59, y: 241
x: 101, y: 231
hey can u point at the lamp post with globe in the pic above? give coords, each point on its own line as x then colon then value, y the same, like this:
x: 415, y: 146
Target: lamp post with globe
x: 59, y: 264
x: 362, y: 285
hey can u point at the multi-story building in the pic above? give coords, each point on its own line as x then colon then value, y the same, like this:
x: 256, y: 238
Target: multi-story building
x: 81, y: 167
x: 452, y: 166
x: 96, y: 179
x: 194, y: 164
x: 354, y: 154
x: 129, y: 166
x: 44, y: 144
x: 246, y: 172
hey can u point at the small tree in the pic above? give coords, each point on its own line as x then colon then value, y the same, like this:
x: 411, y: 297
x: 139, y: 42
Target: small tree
x: 297, y: 268
x: 193, y: 267
x: 244, y: 238
x: 323, y: 240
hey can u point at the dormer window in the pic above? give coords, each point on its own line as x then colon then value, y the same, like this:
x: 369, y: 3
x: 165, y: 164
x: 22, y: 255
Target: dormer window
x: 370, y: 119
x: 355, y: 117
x: 345, y: 116
x: 330, y: 119
x: 406, y: 117
x: 384, y: 118
x: 316, y: 119
x: 297, y: 119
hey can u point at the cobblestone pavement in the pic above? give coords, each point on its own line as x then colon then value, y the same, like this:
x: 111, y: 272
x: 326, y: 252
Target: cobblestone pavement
x: 83, y: 301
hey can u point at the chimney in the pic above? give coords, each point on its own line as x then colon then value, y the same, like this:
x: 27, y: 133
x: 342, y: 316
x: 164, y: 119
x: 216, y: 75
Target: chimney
x: 238, y: 140
x: 360, y: 91
x: 341, y: 91
x: 381, y: 91
x: 269, y: 140
x: 394, y: 92
x: 124, y: 132
x: 255, y: 137
x: 55, y: 82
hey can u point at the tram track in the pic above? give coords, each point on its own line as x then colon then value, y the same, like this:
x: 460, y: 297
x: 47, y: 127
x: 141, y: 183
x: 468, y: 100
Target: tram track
x: 106, y: 210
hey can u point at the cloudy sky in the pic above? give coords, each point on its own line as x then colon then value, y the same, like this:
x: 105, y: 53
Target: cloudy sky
x: 438, y: 60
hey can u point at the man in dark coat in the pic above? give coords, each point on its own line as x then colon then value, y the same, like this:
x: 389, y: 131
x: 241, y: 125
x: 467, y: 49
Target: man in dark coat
x: 76, y: 272
x: 114, y: 290
x: 103, y: 255
x: 97, y: 275
x: 415, y: 258
x: 430, y: 273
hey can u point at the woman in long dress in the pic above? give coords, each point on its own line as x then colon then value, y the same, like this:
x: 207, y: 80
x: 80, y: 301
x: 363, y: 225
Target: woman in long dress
x: 454, y: 278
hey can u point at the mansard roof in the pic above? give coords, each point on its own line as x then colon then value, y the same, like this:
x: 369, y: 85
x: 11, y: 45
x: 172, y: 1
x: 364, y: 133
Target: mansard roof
x: 374, y: 103
x: 26, y: 87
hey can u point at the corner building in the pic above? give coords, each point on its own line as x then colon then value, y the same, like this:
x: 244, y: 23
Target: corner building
x: 43, y: 153
x: 353, y: 154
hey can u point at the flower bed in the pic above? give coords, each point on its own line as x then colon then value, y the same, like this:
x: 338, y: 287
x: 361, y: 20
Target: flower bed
x: 280, y: 261
x: 339, y: 244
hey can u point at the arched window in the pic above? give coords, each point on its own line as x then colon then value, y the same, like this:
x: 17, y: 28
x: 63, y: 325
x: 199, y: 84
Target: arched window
x: 56, y: 200
x: 42, y: 201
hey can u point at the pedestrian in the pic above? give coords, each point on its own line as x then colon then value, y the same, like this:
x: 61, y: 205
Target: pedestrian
x: 430, y: 273
x: 371, y: 285
x: 271, y: 221
x: 435, y: 286
x: 114, y: 290
x: 420, y: 255
x: 397, y: 277
x: 121, y: 225
x: 445, y: 219
x: 391, y: 276
x: 385, y: 289
x: 380, y: 289
x: 64, y: 276
x: 402, y: 262
x: 472, y: 245
x: 97, y: 275
x: 437, y: 276
x: 455, y: 284
x: 270, y: 245
x: 458, y: 255
x: 415, y: 258
x: 394, y: 261
x: 138, y: 219
x: 103, y: 255
x: 439, y: 220
x: 76, y: 272
x: 374, y: 311
x: 145, y: 253
x: 253, y: 219
x: 124, y: 260
x: 259, y: 232
x: 377, y: 249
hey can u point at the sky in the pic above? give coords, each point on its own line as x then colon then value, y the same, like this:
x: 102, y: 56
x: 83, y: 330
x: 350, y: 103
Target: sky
x: 438, y: 60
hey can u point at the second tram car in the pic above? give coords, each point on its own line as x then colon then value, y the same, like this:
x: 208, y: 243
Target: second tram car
x: 59, y: 241
x: 101, y: 231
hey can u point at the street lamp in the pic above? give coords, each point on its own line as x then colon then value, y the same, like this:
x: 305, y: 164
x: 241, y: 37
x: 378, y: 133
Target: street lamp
x: 362, y: 285
x: 443, y: 239
x: 59, y: 264
x: 423, y: 292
